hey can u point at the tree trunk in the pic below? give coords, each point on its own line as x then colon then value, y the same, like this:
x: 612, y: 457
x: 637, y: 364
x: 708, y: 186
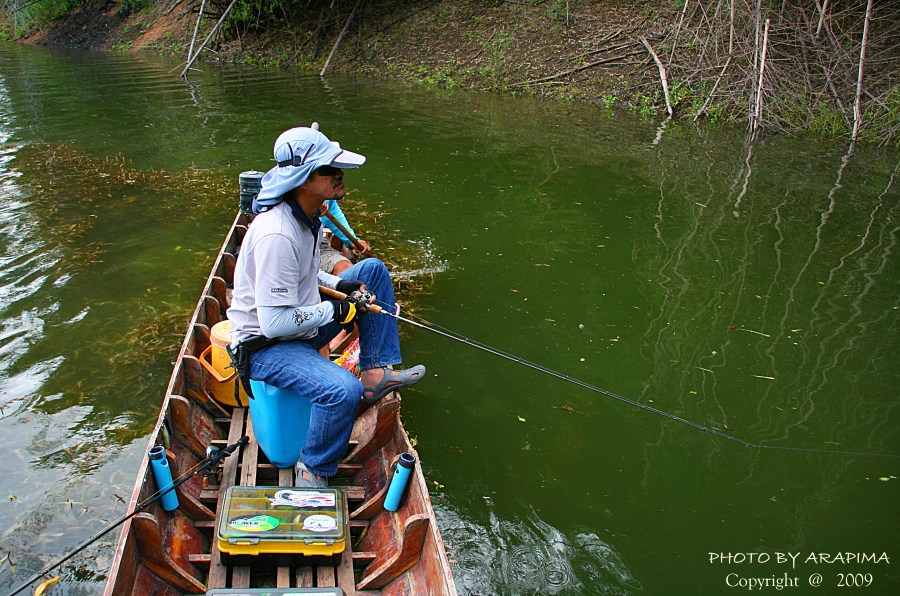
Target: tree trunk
x: 857, y: 104
x: 662, y: 75
x: 340, y: 38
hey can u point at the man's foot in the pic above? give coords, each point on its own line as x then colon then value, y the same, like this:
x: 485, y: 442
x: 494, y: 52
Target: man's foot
x: 306, y: 479
x: 392, y: 380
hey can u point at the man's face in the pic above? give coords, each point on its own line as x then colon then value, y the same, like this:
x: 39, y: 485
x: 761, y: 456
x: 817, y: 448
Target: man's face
x: 327, y: 182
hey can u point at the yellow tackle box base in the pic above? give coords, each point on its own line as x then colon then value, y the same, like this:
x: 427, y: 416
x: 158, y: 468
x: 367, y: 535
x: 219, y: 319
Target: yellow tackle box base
x: 282, y: 523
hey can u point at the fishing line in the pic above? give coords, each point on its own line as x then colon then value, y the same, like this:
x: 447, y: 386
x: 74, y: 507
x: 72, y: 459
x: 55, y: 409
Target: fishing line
x: 209, y: 461
x: 564, y: 377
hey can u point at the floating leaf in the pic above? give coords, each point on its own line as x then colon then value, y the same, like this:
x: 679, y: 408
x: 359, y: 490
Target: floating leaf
x: 45, y: 586
x: 569, y: 408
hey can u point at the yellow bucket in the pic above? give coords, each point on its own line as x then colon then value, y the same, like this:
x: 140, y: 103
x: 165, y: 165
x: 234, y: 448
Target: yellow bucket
x: 217, y: 363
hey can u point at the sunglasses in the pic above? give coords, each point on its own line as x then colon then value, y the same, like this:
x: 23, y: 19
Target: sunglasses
x: 327, y: 171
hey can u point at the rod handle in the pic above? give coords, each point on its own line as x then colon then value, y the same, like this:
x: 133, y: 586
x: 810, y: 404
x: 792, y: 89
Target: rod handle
x: 353, y: 239
x: 342, y: 296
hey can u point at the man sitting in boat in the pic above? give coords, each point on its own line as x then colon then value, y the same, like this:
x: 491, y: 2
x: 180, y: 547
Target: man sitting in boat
x: 280, y: 321
x: 337, y: 243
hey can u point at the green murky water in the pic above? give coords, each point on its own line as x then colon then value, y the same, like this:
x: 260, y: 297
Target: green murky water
x: 752, y: 290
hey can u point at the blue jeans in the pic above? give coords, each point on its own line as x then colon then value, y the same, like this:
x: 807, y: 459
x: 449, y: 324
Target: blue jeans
x: 334, y: 391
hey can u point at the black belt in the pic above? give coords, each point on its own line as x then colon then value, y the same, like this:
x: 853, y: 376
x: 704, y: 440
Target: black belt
x: 257, y: 343
x: 240, y: 361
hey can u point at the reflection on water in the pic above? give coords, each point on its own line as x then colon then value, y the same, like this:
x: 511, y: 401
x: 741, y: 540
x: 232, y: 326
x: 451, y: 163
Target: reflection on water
x: 750, y: 288
x: 529, y: 556
x: 788, y: 284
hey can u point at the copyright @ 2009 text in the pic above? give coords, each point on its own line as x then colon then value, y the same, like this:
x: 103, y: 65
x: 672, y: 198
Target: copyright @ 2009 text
x: 828, y: 577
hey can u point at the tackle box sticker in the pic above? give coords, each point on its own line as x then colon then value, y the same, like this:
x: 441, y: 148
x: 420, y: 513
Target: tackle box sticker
x: 320, y: 523
x: 254, y: 523
x: 305, y: 498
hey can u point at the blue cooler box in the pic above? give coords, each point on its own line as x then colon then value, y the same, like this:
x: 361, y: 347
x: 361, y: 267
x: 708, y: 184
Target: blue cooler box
x: 280, y: 421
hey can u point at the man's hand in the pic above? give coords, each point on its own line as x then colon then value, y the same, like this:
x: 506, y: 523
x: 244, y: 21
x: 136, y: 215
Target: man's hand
x: 361, y: 247
x: 346, y: 286
x: 344, y: 314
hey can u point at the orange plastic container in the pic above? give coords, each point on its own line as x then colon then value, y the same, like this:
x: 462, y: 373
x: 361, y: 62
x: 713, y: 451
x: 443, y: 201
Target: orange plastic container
x: 217, y: 362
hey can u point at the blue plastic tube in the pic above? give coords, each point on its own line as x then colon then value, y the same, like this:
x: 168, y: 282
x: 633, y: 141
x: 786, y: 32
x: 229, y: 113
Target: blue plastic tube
x: 163, y: 475
x: 399, y: 481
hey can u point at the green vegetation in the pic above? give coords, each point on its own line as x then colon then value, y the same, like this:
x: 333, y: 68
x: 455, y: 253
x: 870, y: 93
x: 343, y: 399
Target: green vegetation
x: 36, y: 15
x: 560, y: 49
x: 133, y: 6
x: 557, y: 9
x: 258, y: 13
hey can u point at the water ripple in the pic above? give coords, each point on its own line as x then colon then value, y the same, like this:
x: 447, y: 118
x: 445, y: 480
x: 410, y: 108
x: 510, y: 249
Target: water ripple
x: 526, y: 555
x: 428, y: 262
x: 19, y: 391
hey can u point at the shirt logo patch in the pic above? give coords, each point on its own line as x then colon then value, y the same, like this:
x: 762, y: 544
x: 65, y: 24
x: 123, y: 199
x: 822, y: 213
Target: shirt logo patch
x: 279, y: 290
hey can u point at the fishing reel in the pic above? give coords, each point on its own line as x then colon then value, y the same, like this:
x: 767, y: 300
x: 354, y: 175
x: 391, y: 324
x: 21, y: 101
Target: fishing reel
x: 212, y: 475
x: 359, y: 298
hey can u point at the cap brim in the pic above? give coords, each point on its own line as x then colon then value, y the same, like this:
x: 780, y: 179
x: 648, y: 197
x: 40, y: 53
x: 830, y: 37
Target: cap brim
x: 348, y: 159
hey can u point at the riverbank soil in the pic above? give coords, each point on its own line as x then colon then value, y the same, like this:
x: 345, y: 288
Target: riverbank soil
x: 89, y: 26
x: 790, y: 68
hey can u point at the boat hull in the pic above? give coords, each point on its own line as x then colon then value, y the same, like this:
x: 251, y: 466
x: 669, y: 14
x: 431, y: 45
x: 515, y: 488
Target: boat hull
x: 161, y: 552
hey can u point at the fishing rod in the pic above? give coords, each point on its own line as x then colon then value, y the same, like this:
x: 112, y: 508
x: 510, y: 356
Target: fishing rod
x: 353, y: 239
x: 213, y: 457
x: 363, y: 301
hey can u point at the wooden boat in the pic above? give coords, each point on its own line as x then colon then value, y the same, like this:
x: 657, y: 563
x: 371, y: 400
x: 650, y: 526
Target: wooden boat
x: 176, y: 552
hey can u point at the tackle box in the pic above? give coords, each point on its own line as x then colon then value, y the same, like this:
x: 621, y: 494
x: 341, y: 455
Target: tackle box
x: 276, y: 592
x: 282, y: 522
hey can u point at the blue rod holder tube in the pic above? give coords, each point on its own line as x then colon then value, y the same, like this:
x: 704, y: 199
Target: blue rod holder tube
x: 162, y: 473
x: 399, y: 481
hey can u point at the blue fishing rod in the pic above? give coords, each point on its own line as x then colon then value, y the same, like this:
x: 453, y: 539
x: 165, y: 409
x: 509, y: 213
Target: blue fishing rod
x: 213, y: 457
x: 363, y: 300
